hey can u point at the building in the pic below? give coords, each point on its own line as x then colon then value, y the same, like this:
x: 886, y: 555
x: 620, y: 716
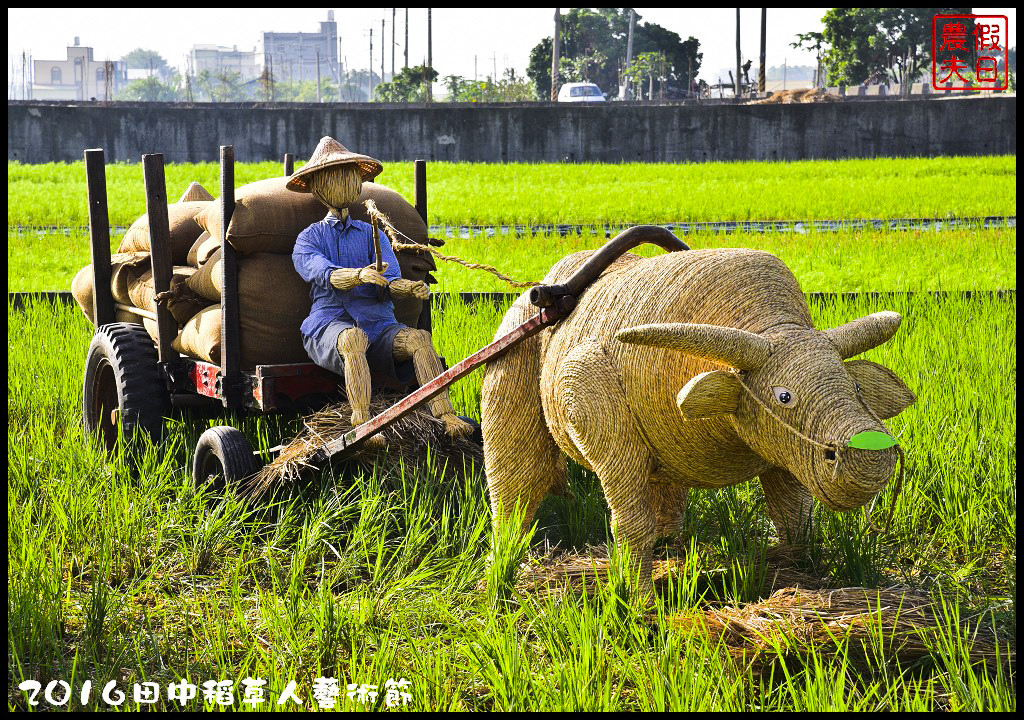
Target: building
x: 80, y: 77
x: 218, y: 59
x: 295, y: 57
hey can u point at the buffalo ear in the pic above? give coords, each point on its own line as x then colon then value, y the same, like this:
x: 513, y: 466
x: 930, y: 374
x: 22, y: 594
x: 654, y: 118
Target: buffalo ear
x: 708, y: 394
x: 881, y: 388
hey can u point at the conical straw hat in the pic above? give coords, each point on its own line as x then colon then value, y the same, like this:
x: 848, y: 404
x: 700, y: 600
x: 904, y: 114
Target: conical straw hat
x: 329, y: 153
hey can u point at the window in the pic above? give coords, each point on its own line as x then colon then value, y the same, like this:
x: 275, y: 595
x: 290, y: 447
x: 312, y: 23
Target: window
x: 55, y: 76
x: 100, y: 77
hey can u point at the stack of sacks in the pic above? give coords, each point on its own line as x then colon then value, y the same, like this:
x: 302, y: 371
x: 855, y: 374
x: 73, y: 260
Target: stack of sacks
x: 273, y: 299
x: 131, y: 281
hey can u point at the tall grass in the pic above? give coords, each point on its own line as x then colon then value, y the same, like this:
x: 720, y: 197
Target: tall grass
x: 485, y: 194
x: 849, y: 261
x: 138, y: 575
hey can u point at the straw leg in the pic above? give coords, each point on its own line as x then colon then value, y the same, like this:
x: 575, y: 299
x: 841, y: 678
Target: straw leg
x: 790, y: 505
x: 600, y: 424
x: 521, y: 459
x: 352, y: 346
x: 418, y: 346
x: 669, y: 502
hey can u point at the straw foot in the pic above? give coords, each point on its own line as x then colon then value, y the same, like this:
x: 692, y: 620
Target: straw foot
x: 455, y: 426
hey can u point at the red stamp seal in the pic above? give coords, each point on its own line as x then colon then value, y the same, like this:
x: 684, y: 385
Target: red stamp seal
x: 970, y: 51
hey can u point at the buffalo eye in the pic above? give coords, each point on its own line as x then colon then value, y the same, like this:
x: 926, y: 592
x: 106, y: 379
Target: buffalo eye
x: 784, y: 396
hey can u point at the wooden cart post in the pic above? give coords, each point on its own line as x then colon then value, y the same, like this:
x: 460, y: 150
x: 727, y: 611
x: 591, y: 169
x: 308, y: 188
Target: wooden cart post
x: 230, y: 346
x: 99, y: 237
x: 160, y: 251
x: 421, y: 190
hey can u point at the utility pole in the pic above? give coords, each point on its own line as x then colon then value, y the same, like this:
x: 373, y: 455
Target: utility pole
x: 430, y: 56
x: 407, y: 37
x: 393, y: 11
x: 318, y: 76
x: 555, y: 52
x: 369, y: 72
x: 736, y: 82
x: 764, y: 34
x: 382, y: 49
x: 629, y: 54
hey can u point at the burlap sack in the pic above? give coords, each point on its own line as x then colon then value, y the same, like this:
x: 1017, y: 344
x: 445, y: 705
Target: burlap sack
x: 182, y: 302
x: 126, y: 268
x: 204, y: 246
x: 273, y: 302
x: 150, y: 326
x: 400, y: 212
x: 206, y: 281
x: 200, y: 338
x: 184, y: 230
x: 195, y: 193
x: 267, y: 217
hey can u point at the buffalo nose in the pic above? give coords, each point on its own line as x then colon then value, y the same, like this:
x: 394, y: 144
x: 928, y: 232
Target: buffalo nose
x: 861, y: 474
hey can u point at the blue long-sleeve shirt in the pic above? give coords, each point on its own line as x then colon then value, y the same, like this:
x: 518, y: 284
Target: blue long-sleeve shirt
x: 331, y: 244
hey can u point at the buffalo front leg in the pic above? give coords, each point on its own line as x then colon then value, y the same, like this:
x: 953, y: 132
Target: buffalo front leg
x: 589, y: 401
x: 790, y: 505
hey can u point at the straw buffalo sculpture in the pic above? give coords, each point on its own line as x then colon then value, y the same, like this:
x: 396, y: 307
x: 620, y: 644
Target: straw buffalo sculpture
x: 694, y: 369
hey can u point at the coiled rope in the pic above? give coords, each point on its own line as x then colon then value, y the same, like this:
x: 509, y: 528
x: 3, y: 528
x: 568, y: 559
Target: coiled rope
x: 378, y: 217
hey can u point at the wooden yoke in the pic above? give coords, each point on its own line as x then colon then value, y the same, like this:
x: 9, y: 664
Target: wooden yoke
x: 160, y: 251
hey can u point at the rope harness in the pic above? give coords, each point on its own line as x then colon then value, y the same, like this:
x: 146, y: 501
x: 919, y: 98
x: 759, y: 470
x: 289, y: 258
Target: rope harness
x: 838, y: 451
x: 378, y: 217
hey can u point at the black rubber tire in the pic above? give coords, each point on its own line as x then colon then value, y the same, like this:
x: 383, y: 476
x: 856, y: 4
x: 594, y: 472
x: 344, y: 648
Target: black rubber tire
x: 223, y: 457
x: 123, y: 385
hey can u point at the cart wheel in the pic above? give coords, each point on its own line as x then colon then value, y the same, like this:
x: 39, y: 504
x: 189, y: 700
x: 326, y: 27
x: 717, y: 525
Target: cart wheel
x: 223, y: 457
x: 123, y: 385
x: 478, y: 433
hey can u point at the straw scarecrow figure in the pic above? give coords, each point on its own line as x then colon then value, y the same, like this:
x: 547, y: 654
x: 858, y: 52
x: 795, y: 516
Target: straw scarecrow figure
x: 352, y: 325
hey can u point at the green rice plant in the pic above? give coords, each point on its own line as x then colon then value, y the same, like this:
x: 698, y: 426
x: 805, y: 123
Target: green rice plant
x: 528, y: 193
x: 509, y: 548
x: 365, y: 576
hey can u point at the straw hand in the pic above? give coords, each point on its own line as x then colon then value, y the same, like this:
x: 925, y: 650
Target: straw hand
x: 406, y: 288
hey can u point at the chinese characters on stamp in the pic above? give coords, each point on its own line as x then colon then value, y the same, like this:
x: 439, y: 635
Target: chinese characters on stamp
x: 970, y: 51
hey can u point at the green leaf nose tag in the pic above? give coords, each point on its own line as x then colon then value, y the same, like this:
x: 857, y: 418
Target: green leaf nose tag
x: 872, y: 440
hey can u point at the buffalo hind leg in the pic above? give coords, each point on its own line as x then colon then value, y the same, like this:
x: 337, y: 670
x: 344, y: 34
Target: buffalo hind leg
x: 521, y: 459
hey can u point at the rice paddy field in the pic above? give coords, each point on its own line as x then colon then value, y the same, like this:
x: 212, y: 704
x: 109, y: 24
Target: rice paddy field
x: 121, y: 570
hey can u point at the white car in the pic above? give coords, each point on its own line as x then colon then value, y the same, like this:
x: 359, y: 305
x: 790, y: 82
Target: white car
x: 580, y: 92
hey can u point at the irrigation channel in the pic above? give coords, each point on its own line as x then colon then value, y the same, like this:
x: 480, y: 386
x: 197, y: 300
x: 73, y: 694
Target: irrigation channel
x: 798, y: 227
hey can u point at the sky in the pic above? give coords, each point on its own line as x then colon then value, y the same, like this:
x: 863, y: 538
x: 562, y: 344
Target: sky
x: 471, y: 42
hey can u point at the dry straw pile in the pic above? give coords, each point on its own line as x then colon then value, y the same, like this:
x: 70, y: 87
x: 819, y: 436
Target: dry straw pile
x: 797, y: 615
x: 408, y: 441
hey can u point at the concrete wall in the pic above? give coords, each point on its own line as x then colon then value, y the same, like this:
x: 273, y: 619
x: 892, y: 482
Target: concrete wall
x: 537, y: 132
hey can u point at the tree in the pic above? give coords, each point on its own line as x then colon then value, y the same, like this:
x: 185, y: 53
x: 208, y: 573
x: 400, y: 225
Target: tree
x: 589, y: 34
x: 410, y: 85
x: 876, y: 44
x: 141, y: 59
x: 508, y: 89
x: 224, y: 86
x: 149, y: 89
